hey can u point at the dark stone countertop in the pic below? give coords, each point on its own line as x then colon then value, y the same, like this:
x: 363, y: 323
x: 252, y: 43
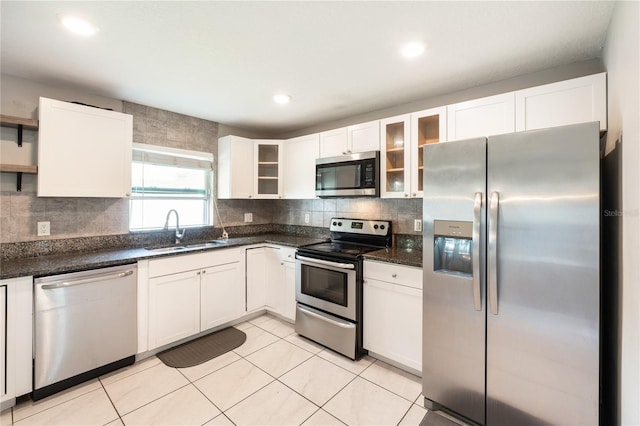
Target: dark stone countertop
x: 80, y: 261
x: 399, y: 255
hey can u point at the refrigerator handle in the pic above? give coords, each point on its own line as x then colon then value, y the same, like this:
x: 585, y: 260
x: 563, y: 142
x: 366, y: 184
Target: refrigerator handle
x: 493, y: 253
x: 475, y: 238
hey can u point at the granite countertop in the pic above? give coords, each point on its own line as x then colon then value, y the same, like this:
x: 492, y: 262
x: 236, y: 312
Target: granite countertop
x: 79, y: 261
x: 399, y: 255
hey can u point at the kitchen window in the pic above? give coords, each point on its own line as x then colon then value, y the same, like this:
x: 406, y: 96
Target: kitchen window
x: 170, y: 178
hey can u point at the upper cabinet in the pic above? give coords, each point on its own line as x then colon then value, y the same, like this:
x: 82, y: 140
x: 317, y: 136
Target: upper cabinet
x: 235, y: 167
x: 83, y: 151
x: 493, y: 115
x: 299, y: 166
x: 249, y: 168
x: 403, y: 139
x: 395, y: 157
x: 348, y: 140
x: 427, y: 127
x: 574, y: 101
x: 268, y: 180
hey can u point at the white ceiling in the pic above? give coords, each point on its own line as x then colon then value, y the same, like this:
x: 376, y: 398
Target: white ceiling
x: 223, y: 61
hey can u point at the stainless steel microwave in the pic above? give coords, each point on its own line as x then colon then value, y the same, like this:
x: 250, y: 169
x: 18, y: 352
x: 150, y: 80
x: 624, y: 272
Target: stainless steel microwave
x: 353, y: 175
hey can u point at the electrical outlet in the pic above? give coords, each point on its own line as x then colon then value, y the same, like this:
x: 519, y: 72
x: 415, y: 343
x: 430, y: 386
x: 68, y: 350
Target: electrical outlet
x: 417, y: 225
x: 44, y: 229
x: 248, y: 217
x: 306, y: 218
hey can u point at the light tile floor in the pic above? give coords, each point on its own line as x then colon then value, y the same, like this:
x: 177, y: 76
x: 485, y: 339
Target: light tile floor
x: 275, y: 378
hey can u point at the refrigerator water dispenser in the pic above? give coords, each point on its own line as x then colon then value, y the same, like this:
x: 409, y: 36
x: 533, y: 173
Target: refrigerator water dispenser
x: 452, y: 247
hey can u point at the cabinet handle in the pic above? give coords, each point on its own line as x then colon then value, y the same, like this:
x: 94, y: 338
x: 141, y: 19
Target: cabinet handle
x: 344, y: 152
x: 203, y: 272
x: 413, y: 195
x: 249, y: 196
x: 198, y: 273
x: 394, y: 275
x: 281, y: 263
x: 289, y: 256
x: 406, y: 195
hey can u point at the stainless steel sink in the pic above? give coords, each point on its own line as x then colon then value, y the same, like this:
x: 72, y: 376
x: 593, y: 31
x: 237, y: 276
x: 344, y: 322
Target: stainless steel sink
x: 165, y: 249
x: 193, y: 246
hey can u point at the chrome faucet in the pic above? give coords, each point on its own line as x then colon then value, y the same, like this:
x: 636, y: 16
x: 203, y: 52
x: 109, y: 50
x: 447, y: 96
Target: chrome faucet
x: 179, y: 235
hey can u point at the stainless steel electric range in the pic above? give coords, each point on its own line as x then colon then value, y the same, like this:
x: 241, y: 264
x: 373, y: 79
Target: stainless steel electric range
x: 329, y: 284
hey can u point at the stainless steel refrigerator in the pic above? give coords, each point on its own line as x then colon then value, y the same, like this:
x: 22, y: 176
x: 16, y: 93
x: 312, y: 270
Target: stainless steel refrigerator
x: 511, y: 315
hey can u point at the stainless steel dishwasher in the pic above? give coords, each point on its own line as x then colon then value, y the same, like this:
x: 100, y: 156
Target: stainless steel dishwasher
x: 85, y: 326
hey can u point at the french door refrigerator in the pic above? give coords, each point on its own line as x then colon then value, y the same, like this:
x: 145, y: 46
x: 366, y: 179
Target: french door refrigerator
x: 512, y: 277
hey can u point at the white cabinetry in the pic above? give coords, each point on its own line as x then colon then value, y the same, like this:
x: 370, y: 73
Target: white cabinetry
x: 488, y: 116
x: 574, y: 101
x: 395, y: 157
x: 83, y: 151
x: 193, y: 293
x: 235, y: 167
x: 299, y: 166
x: 16, y: 331
x: 249, y: 168
x: 268, y: 180
x: 271, y: 280
x: 403, y: 139
x: 174, y: 307
x: 427, y: 127
x: 348, y: 140
x: 392, y: 313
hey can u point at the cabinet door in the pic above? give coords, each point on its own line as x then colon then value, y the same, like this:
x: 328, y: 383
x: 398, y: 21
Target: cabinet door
x: 334, y: 142
x: 289, y: 297
x: 256, y: 279
x: 3, y: 338
x: 275, y: 280
x: 221, y: 295
x: 392, y: 322
x: 579, y: 100
x: 174, y: 307
x: 235, y: 173
x: 267, y: 169
x: 427, y: 127
x: 364, y: 137
x: 83, y: 151
x: 300, y: 166
x: 395, y: 157
x: 489, y: 116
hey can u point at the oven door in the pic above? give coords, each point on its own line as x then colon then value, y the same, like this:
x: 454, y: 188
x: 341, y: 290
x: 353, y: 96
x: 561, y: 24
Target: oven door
x: 327, y: 285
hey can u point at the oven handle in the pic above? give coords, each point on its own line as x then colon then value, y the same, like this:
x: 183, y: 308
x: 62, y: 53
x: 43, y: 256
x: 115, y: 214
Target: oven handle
x: 326, y: 262
x: 343, y: 324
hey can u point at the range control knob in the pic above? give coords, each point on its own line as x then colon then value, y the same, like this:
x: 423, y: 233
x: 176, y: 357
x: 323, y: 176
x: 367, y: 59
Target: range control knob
x: 381, y: 226
x: 335, y: 223
x: 339, y: 223
x: 375, y: 226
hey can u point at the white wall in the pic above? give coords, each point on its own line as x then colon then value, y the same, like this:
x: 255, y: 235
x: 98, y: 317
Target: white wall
x: 621, y: 59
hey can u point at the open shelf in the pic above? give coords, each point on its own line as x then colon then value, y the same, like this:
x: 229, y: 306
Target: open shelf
x: 20, y: 124
x: 15, y: 122
x: 15, y: 168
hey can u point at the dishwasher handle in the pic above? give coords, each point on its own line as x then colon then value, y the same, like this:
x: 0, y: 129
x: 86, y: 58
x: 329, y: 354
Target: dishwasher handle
x: 95, y: 278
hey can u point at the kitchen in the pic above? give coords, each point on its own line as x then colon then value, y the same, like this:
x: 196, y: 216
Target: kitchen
x: 100, y: 220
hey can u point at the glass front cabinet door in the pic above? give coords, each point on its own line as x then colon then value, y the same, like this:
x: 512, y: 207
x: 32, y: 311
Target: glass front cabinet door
x: 268, y: 169
x: 395, y: 157
x: 427, y: 127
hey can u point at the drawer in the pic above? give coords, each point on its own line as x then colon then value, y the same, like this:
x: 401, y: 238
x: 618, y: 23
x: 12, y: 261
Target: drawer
x: 392, y: 273
x: 190, y: 262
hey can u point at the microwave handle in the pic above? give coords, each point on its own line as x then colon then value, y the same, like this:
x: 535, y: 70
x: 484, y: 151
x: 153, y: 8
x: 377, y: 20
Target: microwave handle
x: 326, y: 262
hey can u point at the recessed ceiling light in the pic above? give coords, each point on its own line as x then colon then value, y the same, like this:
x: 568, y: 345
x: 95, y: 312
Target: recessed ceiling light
x: 412, y: 50
x: 78, y: 25
x: 281, y: 99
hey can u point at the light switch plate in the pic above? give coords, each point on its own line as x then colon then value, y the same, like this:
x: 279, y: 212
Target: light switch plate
x: 417, y: 225
x: 306, y: 218
x: 44, y: 229
x: 248, y: 217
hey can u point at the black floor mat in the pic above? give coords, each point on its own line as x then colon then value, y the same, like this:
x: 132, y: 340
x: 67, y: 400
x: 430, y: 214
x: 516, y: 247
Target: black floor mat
x: 203, y: 348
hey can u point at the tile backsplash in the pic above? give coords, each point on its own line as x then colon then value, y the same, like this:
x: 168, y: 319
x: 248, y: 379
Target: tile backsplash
x: 90, y: 217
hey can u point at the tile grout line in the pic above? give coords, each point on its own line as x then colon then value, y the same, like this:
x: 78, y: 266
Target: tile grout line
x: 111, y: 401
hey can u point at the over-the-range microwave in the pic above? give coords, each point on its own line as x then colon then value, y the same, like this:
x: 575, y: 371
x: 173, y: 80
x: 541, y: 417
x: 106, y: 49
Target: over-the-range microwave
x: 353, y: 175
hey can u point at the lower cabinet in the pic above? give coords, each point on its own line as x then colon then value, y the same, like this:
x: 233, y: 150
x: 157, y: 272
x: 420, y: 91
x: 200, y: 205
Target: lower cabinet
x: 271, y: 280
x: 392, y: 313
x: 180, y: 304
x: 16, y: 339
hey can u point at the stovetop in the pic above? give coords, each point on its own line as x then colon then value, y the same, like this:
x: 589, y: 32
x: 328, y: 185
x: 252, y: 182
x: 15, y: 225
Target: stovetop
x: 351, y: 238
